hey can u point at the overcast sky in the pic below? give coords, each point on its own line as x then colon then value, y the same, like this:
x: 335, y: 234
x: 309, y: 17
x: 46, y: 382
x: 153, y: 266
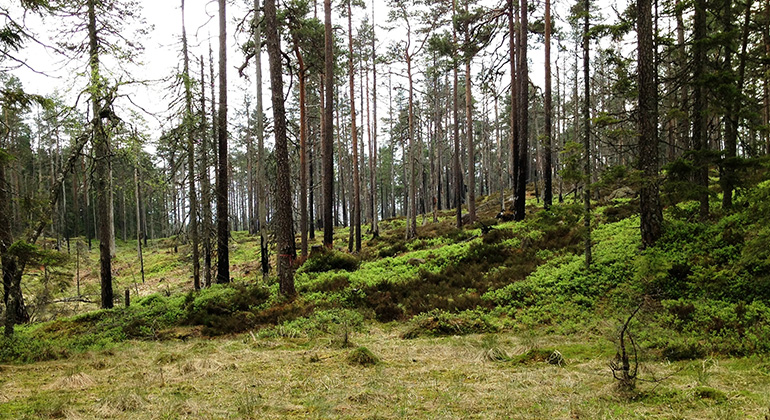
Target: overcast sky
x: 162, y: 56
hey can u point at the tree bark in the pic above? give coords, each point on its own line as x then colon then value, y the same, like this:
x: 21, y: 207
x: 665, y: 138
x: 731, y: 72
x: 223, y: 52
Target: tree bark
x: 411, y: 222
x: 11, y: 292
x: 302, y: 153
x: 102, y: 163
x: 223, y: 224
x: 587, y: 132
x: 547, y: 164
x: 262, y: 177
x: 138, y: 222
x: 699, y: 140
x: 649, y: 198
x: 522, y: 162
x: 284, y: 233
x: 373, y: 137
x: 728, y: 178
x: 205, y: 186
x: 456, y: 131
x: 356, y: 216
x: 514, y: 151
x: 327, y: 144
x: 469, y: 138
x: 188, y: 123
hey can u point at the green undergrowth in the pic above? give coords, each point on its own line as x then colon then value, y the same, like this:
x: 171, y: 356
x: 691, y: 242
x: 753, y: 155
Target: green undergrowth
x: 217, y: 310
x: 702, y: 290
x: 438, y: 323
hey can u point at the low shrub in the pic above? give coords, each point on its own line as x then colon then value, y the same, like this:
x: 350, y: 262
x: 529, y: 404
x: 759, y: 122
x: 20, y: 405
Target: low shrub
x: 705, y: 392
x: 225, y: 309
x: 363, y: 357
x: 550, y: 356
x: 326, y: 284
x: 438, y: 323
x: 683, y: 350
x: 327, y: 260
x: 332, y: 321
x: 25, y: 349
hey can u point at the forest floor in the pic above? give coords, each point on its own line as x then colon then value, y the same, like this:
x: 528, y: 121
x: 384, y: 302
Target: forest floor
x: 455, y: 377
x: 470, y: 323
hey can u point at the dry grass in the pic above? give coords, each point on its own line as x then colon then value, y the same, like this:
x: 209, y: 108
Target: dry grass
x: 79, y: 381
x: 246, y: 378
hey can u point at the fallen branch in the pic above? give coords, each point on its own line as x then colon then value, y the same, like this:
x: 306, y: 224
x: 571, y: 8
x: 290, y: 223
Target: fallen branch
x: 73, y: 299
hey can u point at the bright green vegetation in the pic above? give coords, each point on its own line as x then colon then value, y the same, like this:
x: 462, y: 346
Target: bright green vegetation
x: 454, y: 324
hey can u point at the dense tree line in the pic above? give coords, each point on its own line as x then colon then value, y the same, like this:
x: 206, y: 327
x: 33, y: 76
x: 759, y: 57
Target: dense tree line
x: 460, y: 117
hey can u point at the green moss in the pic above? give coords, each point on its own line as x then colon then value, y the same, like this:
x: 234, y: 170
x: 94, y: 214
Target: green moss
x: 329, y: 260
x: 362, y: 356
x: 438, y: 323
x: 704, y: 392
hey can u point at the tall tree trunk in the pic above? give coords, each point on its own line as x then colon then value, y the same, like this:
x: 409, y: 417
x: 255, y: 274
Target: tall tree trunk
x: 469, y: 138
x: 373, y: 136
x: 302, y: 153
x: 137, y: 191
x: 251, y: 179
x: 683, y: 126
x: 11, y: 293
x: 587, y: 131
x: 361, y: 148
x: 456, y: 134
x: 284, y: 233
x: 327, y: 145
x: 699, y: 134
x: 522, y: 165
x: 735, y: 106
x: 223, y: 224
x: 514, y: 151
x: 343, y: 171
x: 102, y: 163
x: 205, y: 186
x: 499, y: 138
x: 435, y: 163
x: 356, y: 217
x: 188, y: 122
x: 311, y: 162
x: 547, y: 169
x: 411, y: 222
x: 765, y: 81
x: 262, y: 177
x: 123, y: 209
x: 649, y: 198
x: 392, y: 147
x: 111, y: 213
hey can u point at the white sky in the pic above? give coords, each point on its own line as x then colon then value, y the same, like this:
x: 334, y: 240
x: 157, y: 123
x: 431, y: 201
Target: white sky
x: 162, y: 55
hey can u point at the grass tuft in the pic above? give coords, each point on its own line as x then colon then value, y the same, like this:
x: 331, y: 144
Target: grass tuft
x: 72, y: 382
x: 438, y: 323
x: 705, y: 392
x: 362, y: 356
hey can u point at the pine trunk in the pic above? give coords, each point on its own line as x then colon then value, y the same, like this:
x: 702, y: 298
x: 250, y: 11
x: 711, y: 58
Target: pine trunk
x: 587, y: 133
x: 522, y: 161
x: 471, y: 145
x: 102, y: 163
x: 649, y: 198
x: 356, y: 216
x: 284, y: 233
x: 189, y: 121
x: 223, y: 224
x: 327, y: 144
x: 547, y: 164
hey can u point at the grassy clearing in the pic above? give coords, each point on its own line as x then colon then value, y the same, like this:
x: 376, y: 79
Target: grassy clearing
x: 444, y: 377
